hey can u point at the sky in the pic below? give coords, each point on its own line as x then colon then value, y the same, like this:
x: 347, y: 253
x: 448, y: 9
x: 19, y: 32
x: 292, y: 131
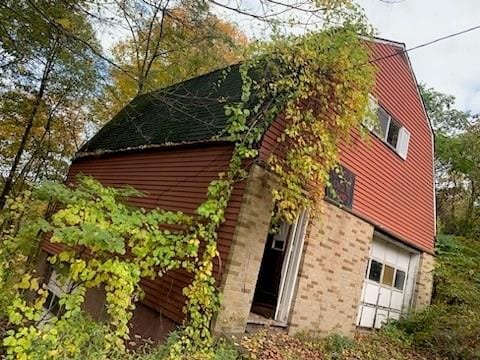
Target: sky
x: 451, y: 66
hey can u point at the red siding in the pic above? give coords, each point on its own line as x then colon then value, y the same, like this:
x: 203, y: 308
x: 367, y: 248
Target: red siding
x: 174, y: 179
x: 392, y: 193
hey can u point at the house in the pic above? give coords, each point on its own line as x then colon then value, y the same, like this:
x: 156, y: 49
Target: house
x: 366, y: 259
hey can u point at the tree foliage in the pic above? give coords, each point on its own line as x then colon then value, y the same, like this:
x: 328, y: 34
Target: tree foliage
x: 449, y: 328
x: 164, y: 48
x: 457, y: 155
x: 317, y: 83
x: 108, y: 243
x: 47, y: 79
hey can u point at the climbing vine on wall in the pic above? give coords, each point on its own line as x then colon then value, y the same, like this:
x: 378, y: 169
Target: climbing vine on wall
x: 317, y: 84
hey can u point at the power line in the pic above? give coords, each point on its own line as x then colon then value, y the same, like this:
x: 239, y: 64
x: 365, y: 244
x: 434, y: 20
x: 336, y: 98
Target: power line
x: 405, y: 51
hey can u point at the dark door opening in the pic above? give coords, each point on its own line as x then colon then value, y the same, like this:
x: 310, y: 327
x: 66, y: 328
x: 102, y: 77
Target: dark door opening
x: 266, y: 294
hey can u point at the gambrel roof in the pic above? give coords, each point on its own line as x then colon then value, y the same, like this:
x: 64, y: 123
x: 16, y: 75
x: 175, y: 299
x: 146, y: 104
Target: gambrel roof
x: 188, y: 112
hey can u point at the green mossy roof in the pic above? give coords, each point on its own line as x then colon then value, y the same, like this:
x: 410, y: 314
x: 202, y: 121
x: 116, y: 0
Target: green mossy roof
x: 188, y: 112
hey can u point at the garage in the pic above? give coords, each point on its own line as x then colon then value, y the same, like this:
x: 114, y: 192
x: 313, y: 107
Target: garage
x: 389, y: 282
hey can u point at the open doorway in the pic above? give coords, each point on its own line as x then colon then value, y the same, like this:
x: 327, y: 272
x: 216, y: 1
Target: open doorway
x: 278, y: 271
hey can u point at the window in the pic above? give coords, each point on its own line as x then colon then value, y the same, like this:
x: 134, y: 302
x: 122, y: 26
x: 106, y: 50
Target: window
x: 399, y: 279
x: 342, y: 183
x: 280, y: 239
x: 387, y: 278
x: 383, y: 120
x: 386, y: 275
x: 56, y: 288
x: 52, y: 304
x: 389, y: 130
x: 375, y: 271
x: 393, y: 132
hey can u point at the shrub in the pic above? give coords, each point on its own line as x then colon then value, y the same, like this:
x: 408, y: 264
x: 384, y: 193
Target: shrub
x: 446, y: 330
x: 451, y: 326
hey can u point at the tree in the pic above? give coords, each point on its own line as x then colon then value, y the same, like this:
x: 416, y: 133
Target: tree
x: 50, y: 76
x: 319, y: 83
x: 457, y: 155
x: 302, y: 78
x: 166, y: 48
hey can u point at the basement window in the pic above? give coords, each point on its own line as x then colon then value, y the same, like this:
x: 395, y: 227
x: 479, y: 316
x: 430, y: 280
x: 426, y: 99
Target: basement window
x: 56, y: 288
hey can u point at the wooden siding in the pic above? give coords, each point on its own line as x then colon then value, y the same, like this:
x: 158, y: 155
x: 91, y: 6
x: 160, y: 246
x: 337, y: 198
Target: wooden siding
x: 394, y: 194
x: 173, y: 179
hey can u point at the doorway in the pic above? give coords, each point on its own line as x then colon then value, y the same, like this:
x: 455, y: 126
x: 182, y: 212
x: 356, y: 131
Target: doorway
x: 278, y: 271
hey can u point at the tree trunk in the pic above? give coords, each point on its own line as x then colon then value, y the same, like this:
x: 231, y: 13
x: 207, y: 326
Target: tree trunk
x: 7, y: 188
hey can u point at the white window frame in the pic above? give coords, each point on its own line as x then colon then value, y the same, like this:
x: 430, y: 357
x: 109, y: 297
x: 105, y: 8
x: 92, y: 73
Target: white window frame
x: 403, y: 139
x: 56, y: 289
x: 380, y: 282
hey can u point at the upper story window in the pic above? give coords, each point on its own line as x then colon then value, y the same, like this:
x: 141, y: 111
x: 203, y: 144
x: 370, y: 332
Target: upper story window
x: 390, y: 130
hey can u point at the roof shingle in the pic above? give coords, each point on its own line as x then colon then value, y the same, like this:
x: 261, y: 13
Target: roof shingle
x: 191, y: 111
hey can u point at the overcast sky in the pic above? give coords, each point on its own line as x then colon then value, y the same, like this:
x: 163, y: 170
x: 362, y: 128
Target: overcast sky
x: 451, y: 66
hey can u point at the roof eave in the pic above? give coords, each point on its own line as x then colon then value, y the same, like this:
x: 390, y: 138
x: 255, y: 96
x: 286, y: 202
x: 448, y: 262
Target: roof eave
x: 97, y: 153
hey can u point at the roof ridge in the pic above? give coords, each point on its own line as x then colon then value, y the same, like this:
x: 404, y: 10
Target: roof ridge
x: 381, y: 40
x: 196, y: 78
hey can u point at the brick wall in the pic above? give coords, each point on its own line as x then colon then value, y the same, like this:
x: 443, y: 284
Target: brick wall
x: 241, y: 271
x: 331, y: 276
x: 424, y: 283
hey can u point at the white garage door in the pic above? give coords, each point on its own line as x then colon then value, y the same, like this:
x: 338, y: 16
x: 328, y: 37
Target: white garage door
x: 388, y: 285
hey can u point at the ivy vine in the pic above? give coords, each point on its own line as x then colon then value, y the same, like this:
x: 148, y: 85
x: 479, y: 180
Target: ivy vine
x: 317, y: 84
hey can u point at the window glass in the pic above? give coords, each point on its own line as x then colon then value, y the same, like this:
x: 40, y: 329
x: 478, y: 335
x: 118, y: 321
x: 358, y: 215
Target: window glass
x: 388, y: 273
x: 375, y: 271
x: 280, y: 239
x: 52, y: 303
x: 382, y: 126
x: 390, y: 131
x: 393, y: 131
x: 399, y: 279
x: 342, y: 183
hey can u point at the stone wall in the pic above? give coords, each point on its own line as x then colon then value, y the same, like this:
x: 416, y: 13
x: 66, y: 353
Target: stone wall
x: 241, y: 271
x: 331, y: 276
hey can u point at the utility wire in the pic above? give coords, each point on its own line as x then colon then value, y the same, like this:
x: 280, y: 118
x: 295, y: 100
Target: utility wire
x: 405, y: 51
x: 180, y: 181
